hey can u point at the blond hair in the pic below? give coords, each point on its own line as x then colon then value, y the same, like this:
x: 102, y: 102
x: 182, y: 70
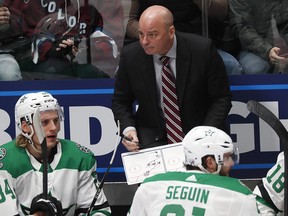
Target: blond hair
x: 22, y: 141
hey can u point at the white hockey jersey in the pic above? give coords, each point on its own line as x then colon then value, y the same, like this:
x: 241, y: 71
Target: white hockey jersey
x: 193, y: 193
x: 72, y: 178
x: 8, y: 204
x: 273, y: 189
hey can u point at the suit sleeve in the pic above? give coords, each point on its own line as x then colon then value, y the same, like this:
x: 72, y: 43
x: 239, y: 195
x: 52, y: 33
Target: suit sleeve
x: 123, y: 98
x: 218, y: 90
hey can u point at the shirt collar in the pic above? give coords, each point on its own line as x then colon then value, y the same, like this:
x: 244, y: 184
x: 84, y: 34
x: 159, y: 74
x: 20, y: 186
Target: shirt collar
x: 172, y: 52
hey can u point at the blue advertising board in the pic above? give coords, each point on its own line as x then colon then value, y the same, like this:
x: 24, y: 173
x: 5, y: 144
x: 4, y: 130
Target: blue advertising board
x: 89, y: 119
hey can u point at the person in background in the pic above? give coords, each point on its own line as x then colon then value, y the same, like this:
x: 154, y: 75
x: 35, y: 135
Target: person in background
x: 188, y: 17
x: 271, y: 189
x: 202, y: 88
x: 9, y: 68
x: 205, y: 188
x: 61, y: 40
x: 52, y: 33
x: 262, y: 28
x: 72, y: 178
x: 113, y: 17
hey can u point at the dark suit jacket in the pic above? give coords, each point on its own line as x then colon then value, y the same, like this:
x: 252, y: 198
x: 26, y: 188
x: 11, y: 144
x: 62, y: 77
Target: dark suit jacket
x: 202, y: 88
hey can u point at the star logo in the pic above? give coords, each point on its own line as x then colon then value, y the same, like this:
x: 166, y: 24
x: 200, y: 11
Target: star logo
x: 23, y: 99
x: 209, y: 132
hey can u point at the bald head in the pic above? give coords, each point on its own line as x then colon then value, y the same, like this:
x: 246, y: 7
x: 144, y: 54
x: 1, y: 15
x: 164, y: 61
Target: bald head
x: 156, y: 30
x: 158, y: 14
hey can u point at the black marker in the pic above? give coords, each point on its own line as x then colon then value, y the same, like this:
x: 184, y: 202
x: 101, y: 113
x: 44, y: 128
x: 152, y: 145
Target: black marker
x: 129, y: 139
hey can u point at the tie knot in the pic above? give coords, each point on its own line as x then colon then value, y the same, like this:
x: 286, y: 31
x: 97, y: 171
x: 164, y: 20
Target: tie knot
x: 164, y: 60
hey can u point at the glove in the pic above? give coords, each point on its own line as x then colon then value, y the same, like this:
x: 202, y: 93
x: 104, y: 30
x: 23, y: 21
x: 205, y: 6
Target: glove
x: 49, y: 205
x: 53, y: 52
x: 61, y: 53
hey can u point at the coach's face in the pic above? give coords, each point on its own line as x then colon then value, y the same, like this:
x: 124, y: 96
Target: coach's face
x: 156, y: 39
x: 156, y: 35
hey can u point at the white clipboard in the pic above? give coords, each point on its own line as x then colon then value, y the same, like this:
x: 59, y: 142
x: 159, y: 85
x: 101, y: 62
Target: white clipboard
x: 148, y: 162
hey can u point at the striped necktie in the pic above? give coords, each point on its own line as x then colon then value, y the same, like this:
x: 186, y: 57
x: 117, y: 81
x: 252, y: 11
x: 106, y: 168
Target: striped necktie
x: 170, y: 104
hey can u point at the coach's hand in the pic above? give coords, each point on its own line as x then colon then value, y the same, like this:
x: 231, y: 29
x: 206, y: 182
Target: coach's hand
x: 130, y: 140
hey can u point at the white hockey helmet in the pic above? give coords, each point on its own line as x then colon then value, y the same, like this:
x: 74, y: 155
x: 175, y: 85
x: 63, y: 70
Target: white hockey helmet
x: 207, y: 140
x: 28, y: 104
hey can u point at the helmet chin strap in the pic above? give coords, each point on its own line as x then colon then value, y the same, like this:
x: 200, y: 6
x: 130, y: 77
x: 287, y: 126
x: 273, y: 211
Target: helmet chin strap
x: 206, y: 171
x: 29, y: 137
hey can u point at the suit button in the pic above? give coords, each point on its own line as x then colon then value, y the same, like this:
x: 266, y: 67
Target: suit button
x: 156, y: 138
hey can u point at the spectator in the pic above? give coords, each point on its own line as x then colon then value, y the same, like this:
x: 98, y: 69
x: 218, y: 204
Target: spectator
x: 55, y: 38
x: 271, y: 189
x: 9, y: 40
x: 71, y: 176
x: 262, y: 29
x: 57, y: 41
x: 112, y: 12
x: 202, y: 89
x: 56, y: 47
x: 205, y: 188
x: 188, y: 18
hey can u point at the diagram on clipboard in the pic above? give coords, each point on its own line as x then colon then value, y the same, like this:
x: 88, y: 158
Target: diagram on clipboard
x: 151, y: 161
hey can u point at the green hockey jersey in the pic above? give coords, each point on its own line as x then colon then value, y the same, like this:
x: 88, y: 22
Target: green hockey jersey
x: 71, y: 179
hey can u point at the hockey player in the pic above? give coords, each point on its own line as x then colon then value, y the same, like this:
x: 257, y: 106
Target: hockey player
x: 8, y: 205
x: 271, y: 189
x: 71, y: 176
x: 205, y: 188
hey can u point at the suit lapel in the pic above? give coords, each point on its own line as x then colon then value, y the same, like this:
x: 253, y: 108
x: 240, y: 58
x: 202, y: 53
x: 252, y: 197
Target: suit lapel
x: 183, y: 66
x: 148, y: 77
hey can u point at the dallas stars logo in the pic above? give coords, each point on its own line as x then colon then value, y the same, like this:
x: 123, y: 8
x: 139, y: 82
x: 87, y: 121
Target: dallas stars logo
x: 23, y: 99
x: 2, y: 153
x: 209, y: 133
x: 83, y: 148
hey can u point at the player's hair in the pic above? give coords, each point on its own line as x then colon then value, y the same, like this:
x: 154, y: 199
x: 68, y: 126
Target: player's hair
x: 204, y: 164
x: 22, y: 141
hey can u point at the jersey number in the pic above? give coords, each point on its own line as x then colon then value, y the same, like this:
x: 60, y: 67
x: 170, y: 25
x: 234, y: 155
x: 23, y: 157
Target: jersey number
x: 6, y: 191
x: 178, y: 210
x: 278, y: 184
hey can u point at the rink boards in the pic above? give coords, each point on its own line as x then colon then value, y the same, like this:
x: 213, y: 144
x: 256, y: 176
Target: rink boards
x: 89, y: 119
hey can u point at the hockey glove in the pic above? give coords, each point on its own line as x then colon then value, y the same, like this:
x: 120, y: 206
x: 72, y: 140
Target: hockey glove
x: 49, y: 205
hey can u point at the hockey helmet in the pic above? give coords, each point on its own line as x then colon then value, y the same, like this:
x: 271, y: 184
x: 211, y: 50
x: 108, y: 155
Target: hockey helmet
x: 207, y: 140
x: 28, y: 104
x: 55, y: 28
